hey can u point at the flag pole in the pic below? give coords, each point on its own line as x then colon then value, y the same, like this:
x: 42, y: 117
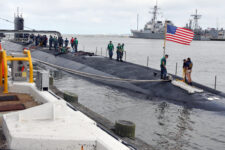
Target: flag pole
x: 164, y: 47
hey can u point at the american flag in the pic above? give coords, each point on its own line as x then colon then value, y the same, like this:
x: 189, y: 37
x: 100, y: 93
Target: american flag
x: 179, y: 35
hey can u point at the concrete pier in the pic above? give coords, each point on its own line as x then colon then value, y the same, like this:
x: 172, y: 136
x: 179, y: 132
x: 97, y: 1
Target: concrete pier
x: 105, y: 123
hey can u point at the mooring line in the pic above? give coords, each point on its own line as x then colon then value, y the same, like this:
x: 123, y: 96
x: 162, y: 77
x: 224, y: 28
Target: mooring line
x: 84, y: 74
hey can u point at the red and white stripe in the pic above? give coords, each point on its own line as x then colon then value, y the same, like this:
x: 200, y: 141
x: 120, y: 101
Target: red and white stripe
x: 182, y: 36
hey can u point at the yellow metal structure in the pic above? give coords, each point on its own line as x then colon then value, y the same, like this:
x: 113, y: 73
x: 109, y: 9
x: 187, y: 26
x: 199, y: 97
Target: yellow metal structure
x: 4, y: 59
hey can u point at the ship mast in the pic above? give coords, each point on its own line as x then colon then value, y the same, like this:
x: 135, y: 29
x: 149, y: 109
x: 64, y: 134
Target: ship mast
x: 155, y: 12
x: 137, y: 21
x: 196, y: 17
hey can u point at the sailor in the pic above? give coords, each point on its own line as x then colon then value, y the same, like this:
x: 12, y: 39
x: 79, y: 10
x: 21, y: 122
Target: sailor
x: 184, y: 70
x: 63, y: 50
x: 32, y: 37
x: 121, y: 52
x: 75, y: 44
x: 50, y: 42
x: 71, y: 42
x: 110, y: 49
x: 59, y: 41
x: 55, y: 43
x: 163, y: 67
x: 118, y: 52
x: 40, y: 41
x: 37, y: 40
x: 46, y: 41
x: 62, y: 41
x: 189, y: 70
x: 66, y: 42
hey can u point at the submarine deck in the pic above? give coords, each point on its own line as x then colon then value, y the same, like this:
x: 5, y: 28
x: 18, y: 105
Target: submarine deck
x: 128, y: 70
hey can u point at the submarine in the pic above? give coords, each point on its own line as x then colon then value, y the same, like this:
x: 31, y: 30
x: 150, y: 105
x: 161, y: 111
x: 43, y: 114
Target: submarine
x: 122, y: 75
x: 132, y: 77
x: 22, y: 36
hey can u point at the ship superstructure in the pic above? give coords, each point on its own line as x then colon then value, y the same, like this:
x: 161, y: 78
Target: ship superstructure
x: 154, y: 29
x: 204, y: 34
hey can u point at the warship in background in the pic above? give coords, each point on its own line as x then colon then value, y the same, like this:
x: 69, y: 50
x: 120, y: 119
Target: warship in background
x: 213, y: 34
x: 155, y: 29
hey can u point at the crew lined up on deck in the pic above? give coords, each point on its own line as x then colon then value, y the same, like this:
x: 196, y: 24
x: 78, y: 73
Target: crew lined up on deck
x: 40, y: 40
x: 58, y: 42
x: 74, y: 44
x: 119, y: 51
x: 54, y: 42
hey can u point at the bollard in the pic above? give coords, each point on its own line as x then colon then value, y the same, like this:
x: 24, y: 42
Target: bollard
x: 176, y: 69
x: 125, y: 55
x: 70, y: 97
x: 147, y: 60
x: 215, y: 82
x: 101, y: 51
x: 125, y: 128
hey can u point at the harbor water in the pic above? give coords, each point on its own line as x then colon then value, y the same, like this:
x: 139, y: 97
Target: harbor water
x: 164, y: 125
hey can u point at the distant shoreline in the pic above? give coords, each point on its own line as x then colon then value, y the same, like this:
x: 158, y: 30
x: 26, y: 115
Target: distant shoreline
x: 93, y: 35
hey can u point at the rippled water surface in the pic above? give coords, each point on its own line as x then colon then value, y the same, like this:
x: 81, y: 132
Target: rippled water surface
x: 160, y: 123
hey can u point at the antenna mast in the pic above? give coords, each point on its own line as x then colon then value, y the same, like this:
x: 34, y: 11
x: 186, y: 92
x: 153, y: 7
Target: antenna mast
x: 137, y: 21
x: 18, y: 12
x: 196, y: 17
x: 155, y: 13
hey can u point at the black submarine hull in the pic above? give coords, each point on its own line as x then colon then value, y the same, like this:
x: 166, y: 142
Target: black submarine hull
x: 210, y: 99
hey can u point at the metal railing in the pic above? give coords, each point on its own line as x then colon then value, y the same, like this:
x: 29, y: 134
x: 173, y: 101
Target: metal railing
x: 3, y: 66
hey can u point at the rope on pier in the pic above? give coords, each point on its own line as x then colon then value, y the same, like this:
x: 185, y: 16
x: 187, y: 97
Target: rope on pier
x: 94, y: 76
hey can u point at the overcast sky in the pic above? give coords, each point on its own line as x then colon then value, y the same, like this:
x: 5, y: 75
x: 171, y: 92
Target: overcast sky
x: 108, y: 16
